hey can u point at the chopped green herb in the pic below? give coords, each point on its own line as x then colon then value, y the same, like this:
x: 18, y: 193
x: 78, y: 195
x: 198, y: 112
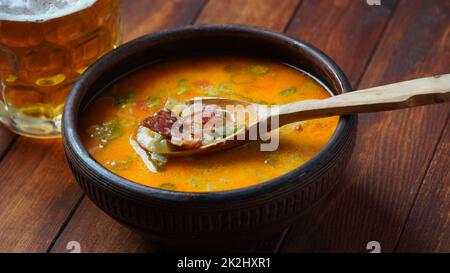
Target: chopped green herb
x: 258, y: 69
x: 244, y: 97
x: 161, y: 146
x: 194, y: 182
x: 106, y: 131
x: 212, y: 92
x: 167, y: 186
x: 182, y: 86
x: 226, y: 87
x: 183, y: 81
x: 183, y: 89
x: 121, y: 165
x: 210, y: 186
x: 171, y: 103
x: 152, y: 102
x: 288, y: 91
x: 130, y: 97
x: 159, y: 161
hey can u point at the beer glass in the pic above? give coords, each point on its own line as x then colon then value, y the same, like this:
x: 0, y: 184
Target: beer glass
x: 44, y: 46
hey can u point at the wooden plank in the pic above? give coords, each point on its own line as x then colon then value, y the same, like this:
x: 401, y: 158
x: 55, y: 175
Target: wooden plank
x: 85, y: 220
x: 428, y: 226
x: 271, y: 14
x: 37, y: 188
x: 346, y: 30
x: 38, y: 193
x: 393, y: 149
x: 97, y: 232
x: 6, y: 138
x: 144, y: 16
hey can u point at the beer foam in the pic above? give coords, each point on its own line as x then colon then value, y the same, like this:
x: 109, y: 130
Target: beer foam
x: 40, y: 10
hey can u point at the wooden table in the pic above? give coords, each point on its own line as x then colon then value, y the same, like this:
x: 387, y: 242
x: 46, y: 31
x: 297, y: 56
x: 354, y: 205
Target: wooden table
x: 396, y: 190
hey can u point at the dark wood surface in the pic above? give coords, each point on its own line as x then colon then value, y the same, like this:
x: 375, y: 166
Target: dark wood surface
x: 396, y: 189
x: 428, y: 225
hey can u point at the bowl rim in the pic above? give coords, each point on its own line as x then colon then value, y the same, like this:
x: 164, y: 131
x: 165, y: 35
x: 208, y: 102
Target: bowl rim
x: 72, y: 141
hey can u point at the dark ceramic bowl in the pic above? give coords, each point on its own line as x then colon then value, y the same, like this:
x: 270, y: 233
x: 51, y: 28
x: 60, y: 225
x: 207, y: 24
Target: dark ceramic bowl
x: 216, y: 219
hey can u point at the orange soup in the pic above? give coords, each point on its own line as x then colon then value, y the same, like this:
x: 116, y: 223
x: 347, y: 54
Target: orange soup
x: 109, y: 123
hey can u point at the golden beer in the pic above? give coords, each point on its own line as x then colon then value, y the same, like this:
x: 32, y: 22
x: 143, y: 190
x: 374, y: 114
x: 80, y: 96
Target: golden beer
x: 44, y: 46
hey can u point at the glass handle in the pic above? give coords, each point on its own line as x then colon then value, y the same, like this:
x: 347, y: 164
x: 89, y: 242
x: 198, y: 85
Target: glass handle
x: 9, y: 68
x: 2, y: 112
x: 4, y: 117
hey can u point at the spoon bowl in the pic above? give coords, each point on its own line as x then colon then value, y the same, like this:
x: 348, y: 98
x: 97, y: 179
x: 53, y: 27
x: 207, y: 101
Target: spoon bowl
x: 226, y: 143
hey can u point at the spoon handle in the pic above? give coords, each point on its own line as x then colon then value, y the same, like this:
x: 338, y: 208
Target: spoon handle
x: 383, y: 98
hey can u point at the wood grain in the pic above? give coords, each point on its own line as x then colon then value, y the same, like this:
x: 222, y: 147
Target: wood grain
x: 346, y: 30
x: 428, y: 226
x: 97, y: 232
x: 6, y: 138
x: 37, y: 188
x: 393, y: 149
x: 145, y: 16
x: 390, y: 177
x: 271, y: 14
x: 38, y: 194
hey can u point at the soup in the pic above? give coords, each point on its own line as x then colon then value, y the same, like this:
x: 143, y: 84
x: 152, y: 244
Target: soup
x: 110, y: 122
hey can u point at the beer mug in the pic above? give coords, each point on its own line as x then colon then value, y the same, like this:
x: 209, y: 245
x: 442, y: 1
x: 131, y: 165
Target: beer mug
x: 44, y: 46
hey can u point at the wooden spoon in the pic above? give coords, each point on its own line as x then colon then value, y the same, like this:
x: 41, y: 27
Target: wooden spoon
x: 383, y: 98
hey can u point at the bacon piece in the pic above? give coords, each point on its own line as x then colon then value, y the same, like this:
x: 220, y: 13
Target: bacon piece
x: 188, y: 132
x: 161, y: 122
